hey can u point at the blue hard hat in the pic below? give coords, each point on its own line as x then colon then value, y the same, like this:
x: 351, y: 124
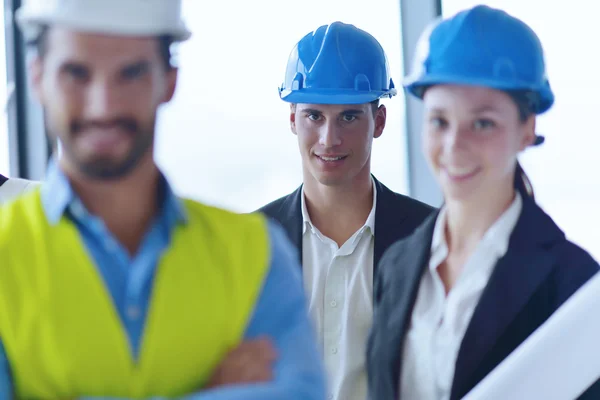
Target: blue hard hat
x: 482, y: 46
x: 337, y: 64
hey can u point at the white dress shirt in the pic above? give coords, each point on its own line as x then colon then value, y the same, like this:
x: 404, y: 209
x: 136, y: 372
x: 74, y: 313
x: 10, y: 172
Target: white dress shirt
x: 339, y: 286
x: 439, y: 322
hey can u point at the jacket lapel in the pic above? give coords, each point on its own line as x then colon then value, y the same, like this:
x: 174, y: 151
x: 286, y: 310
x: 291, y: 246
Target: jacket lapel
x: 515, y: 279
x: 291, y: 218
x: 390, y: 216
x: 403, y: 275
x: 388, y: 221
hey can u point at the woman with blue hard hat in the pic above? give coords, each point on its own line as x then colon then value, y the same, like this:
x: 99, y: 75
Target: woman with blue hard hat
x: 491, y: 266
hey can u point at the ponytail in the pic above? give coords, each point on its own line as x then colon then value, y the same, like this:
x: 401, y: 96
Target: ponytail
x: 526, y: 102
x: 522, y: 182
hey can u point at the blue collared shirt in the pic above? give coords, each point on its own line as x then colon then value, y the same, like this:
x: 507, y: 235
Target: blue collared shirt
x: 280, y: 312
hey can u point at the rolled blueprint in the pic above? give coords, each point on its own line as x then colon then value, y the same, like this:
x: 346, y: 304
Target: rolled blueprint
x: 558, y: 361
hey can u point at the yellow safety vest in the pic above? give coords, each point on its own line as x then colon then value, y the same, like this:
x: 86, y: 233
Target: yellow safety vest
x: 63, y: 336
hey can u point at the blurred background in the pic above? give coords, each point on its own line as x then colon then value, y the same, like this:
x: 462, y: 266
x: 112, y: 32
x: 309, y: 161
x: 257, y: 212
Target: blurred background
x: 225, y: 139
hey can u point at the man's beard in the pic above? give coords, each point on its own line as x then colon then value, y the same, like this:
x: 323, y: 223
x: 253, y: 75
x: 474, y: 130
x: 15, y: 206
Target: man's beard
x: 105, y: 168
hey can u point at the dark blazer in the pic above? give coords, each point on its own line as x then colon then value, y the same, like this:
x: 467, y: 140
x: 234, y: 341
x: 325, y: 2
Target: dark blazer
x: 539, y: 271
x: 396, y: 216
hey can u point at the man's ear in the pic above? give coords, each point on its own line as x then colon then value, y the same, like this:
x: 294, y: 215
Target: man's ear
x: 172, y: 75
x: 36, y: 71
x: 293, y: 118
x: 380, y: 120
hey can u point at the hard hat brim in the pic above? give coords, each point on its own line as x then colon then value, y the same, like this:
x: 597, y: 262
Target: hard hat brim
x: 416, y: 87
x: 333, y: 96
x: 31, y: 27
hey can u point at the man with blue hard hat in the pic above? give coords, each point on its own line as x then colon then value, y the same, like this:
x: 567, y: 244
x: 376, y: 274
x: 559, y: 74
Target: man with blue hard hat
x: 111, y: 286
x: 341, y: 218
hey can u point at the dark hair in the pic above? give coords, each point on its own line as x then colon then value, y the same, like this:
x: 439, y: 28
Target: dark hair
x: 526, y: 102
x: 40, y: 43
x: 374, y: 106
x: 522, y: 182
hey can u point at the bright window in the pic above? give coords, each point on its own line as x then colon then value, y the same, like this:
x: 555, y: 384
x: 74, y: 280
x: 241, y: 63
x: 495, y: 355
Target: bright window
x: 564, y: 170
x: 225, y: 138
x: 4, y: 93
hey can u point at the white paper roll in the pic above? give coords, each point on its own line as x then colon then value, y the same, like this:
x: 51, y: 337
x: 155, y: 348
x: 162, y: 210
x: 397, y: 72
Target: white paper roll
x: 558, y: 361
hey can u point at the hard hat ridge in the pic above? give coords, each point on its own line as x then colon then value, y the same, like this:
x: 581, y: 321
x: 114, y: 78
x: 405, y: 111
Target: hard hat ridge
x: 118, y: 17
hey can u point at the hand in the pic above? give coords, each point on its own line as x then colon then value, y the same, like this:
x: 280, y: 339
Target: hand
x: 251, y: 362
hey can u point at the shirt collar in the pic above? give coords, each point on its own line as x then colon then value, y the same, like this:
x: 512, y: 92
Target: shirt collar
x: 498, y: 235
x: 58, y: 198
x: 369, y: 223
x: 496, y: 238
x: 439, y: 239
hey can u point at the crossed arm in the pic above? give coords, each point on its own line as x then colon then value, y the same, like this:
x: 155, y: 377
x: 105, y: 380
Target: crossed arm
x: 281, y: 316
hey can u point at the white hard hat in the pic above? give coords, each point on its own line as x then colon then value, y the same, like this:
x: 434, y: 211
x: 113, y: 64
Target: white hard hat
x: 118, y: 17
